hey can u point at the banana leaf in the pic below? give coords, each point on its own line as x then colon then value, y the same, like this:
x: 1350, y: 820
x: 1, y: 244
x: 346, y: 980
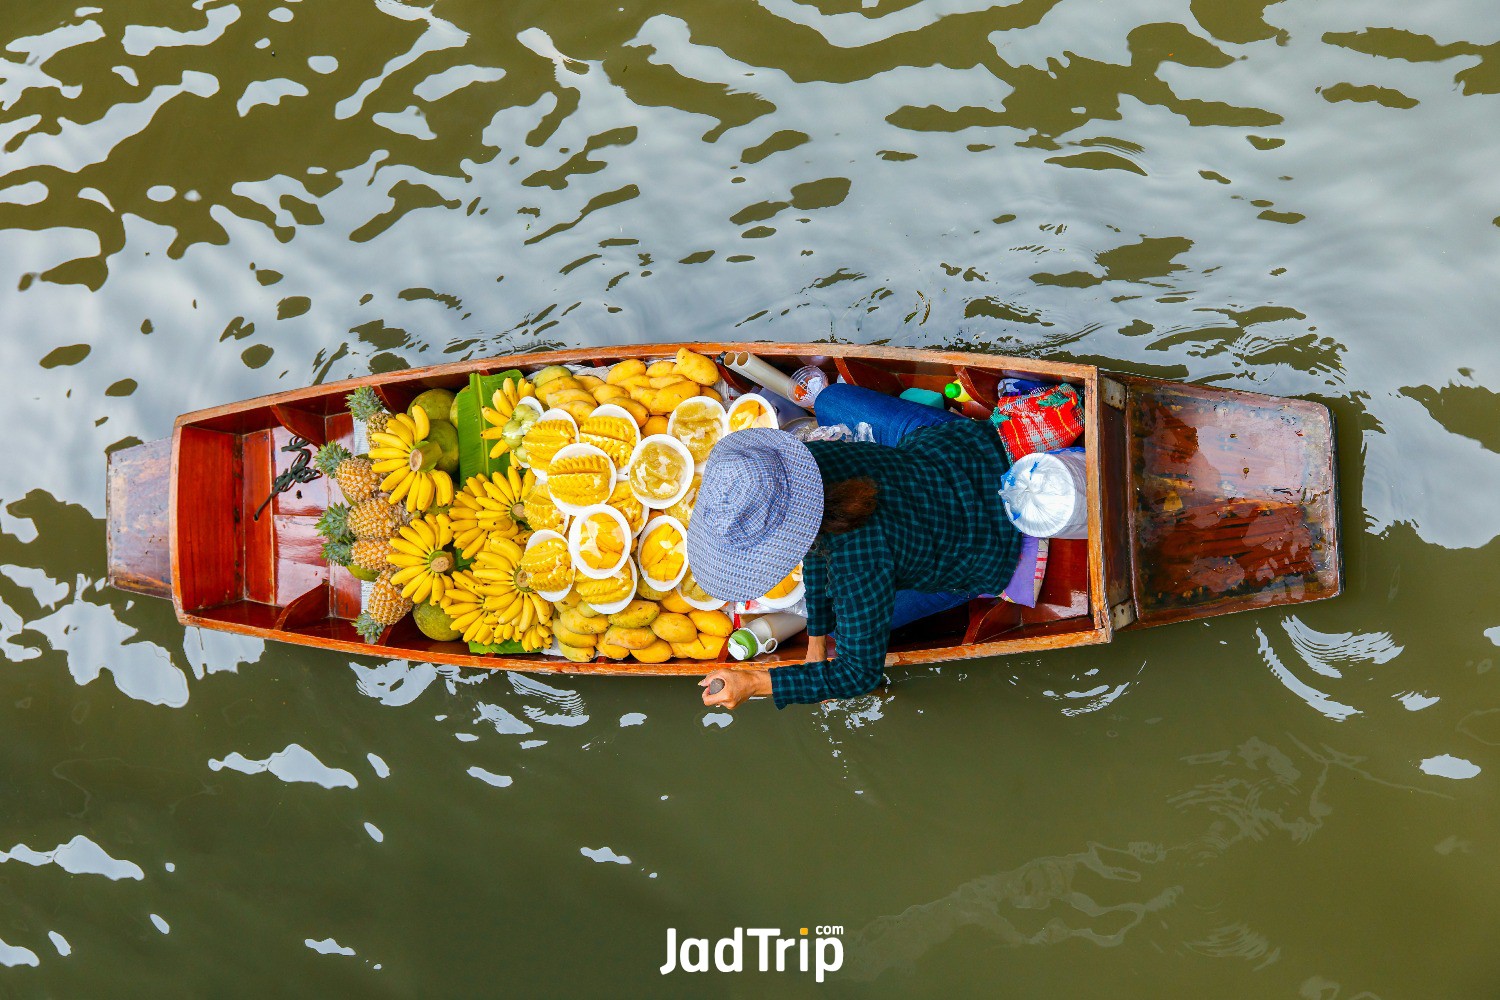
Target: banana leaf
x: 498, y: 648
x: 473, y: 450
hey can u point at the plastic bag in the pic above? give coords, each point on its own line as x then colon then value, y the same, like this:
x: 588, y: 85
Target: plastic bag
x: 836, y: 432
x: 1044, y: 494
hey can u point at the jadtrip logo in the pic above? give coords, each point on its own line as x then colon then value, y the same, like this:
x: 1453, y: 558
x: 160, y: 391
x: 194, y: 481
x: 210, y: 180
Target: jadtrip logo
x: 819, y: 952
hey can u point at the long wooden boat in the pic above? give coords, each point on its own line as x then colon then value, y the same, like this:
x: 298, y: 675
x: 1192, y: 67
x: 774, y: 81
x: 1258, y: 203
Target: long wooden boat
x: 1201, y: 501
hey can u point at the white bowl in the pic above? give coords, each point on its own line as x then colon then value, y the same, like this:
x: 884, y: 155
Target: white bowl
x: 609, y: 609
x: 536, y: 539
x: 532, y: 403
x: 651, y: 525
x: 555, y: 414
x: 777, y: 603
x: 616, y: 410
x: 575, y: 537
x: 703, y: 402
x: 712, y: 604
x: 687, y: 480
x: 568, y: 451
x: 767, y: 419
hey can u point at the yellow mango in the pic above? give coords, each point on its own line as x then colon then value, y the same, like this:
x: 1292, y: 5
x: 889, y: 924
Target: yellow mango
x: 635, y: 615
x: 574, y: 620
x: 712, y: 394
x: 674, y: 627
x: 568, y: 637
x: 657, y: 424
x: 712, y: 622
x: 674, y: 602
x: 578, y: 654
x: 649, y: 592
x: 657, y: 652
x: 667, y: 399
x: 697, y: 367
x: 630, y: 638
x: 637, y: 410
x: 659, y: 368
x: 625, y: 369
x: 704, y: 647
x: 612, y: 651
x: 590, y: 382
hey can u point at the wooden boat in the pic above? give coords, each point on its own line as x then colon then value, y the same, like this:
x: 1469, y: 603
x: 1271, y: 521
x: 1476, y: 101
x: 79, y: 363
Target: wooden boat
x: 1201, y: 501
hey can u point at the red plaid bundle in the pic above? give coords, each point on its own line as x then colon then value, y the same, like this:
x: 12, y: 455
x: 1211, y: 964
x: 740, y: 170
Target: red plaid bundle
x: 1043, y: 420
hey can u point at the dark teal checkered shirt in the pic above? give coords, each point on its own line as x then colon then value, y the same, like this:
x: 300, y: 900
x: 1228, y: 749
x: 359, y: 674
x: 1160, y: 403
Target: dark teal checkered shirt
x: 938, y: 526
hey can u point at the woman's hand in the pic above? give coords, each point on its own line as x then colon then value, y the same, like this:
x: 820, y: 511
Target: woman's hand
x: 739, y: 686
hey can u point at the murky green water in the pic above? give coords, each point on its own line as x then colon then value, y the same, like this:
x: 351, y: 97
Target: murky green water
x: 204, y: 202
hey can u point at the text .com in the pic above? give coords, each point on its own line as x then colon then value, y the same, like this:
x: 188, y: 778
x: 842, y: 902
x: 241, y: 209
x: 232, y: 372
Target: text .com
x: 820, y: 953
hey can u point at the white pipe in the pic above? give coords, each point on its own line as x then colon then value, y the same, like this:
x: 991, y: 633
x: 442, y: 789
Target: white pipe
x: 758, y: 371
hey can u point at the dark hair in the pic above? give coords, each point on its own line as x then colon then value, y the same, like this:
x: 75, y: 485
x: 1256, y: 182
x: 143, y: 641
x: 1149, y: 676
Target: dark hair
x: 847, y: 505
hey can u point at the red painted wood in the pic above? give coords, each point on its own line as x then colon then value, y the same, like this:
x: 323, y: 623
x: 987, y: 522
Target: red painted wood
x: 207, y: 554
x: 858, y: 373
x: 260, y: 533
x: 305, y: 609
x: 301, y: 422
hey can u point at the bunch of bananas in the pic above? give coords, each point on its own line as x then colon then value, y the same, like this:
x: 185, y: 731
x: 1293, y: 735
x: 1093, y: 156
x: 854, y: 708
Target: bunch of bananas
x: 493, y: 602
x: 499, y: 413
x: 581, y: 480
x: 408, y: 461
x: 422, y: 558
x: 493, y: 504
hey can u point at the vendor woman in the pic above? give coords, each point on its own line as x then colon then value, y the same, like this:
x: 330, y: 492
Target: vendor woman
x: 888, y: 532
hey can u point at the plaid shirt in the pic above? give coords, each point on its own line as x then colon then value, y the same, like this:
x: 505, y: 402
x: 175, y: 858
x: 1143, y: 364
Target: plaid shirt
x: 938, y: 526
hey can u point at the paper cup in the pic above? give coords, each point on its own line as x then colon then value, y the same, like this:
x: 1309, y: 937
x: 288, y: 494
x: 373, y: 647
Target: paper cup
x: 536, y: 539
x: 651, y: 526
x: 686, y: 478
x: 767, y: 417
x: 575, y: 537
x: 609, y: 609
x: 568, y: 451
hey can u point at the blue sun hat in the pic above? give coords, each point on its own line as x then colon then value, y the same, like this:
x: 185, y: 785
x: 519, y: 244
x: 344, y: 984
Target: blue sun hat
x: 759, y: 506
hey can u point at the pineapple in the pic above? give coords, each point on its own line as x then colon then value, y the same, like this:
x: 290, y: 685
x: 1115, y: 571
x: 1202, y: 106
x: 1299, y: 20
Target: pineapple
x: 371, y: 554
x: 355, y: 476
x: 336, y: 552
x: 366, y: 406
x: 385, y: 607
x: 334, y: 524
x: 372, y: 518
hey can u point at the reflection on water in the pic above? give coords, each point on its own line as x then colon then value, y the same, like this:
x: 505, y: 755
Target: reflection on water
x: 203, y: 202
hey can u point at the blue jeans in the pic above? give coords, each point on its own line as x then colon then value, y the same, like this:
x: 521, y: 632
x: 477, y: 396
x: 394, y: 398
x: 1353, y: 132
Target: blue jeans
x: 891, y: 419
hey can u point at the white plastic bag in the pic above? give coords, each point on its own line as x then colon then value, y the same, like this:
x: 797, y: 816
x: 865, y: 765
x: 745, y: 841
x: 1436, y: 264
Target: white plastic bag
x: 1044, y: 494
x: 837, y: 432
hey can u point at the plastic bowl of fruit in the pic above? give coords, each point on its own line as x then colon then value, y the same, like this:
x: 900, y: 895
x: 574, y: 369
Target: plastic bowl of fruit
x: 698, y: 423
x: 695, y: 595
x: 613, y: 430
x: 751, y: 410
x: 550, y: 565
x: 611, y: 594
x: 786, y: 593
x: 662, y: 552
x: 599, y: 540
x: 580, y: 476
x: 554, y: 430
x: 661, y: 470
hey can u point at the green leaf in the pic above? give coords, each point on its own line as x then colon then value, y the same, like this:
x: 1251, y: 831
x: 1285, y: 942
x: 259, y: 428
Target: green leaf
x: 500, y: 648
x: 473, y: 450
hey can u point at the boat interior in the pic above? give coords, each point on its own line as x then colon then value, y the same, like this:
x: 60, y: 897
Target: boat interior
x: 239, y: 569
